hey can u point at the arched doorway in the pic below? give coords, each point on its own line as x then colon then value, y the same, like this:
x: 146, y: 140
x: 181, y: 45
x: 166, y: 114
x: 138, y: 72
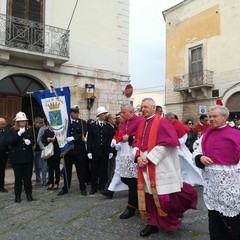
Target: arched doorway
x: 233, y: 104
x: 14, y: 97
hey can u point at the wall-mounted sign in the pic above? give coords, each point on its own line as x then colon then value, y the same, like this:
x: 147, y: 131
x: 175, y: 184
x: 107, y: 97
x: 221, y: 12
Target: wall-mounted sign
x: 202, y: 110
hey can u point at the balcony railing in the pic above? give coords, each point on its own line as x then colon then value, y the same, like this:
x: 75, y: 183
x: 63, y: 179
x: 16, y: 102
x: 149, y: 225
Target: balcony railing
x: 193, y: 80
x: 33, y: 36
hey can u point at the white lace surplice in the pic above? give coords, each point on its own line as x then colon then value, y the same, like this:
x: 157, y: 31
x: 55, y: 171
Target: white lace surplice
x: 128, y: 168
x: 222, y: 189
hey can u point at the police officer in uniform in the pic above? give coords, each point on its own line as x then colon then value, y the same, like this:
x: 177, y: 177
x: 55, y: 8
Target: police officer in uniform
x: 3, y: 154
x: 20, y: 139
x: 99, y: 150
x: 78, y: 154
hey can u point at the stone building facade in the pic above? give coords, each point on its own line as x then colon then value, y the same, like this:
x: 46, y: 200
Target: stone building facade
x: 202, y: 57
x: 61, y: 43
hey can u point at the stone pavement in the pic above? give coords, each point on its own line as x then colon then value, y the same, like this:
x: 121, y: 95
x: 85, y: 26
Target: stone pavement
x: 74, y: 216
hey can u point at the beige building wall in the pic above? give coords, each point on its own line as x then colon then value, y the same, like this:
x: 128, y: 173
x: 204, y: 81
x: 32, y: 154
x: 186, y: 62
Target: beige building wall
x: 208, y: 23
x: 98, y: 30
x: 157, y: 94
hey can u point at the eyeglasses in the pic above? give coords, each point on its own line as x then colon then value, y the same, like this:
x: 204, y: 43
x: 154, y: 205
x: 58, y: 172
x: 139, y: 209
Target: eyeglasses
x: 190, y: 123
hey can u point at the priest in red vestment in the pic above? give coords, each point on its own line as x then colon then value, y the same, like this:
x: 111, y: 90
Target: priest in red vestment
x: 162, y: 196
x: 190, y: 173
x: 128, y: 168
x: 218, y: 155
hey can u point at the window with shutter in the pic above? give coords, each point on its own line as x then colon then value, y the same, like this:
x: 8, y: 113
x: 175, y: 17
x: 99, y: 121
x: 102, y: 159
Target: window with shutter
x: 21, y: 30
x: 195, y: 66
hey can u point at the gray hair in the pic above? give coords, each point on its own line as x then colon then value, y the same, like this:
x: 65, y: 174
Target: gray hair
x: 223, y: 110
x: 128, y: 106
x: 170, y: 114
x: 152, y: 102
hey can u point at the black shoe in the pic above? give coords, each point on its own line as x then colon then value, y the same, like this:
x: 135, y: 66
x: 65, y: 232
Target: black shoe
x: 3, y: 190
x: 29, y: 197
x: 84, y: 192
x: 18, y: 199
x: 62, y: 192
x: 129, y: 212
x: 149, y: 230
x: 107, y: 193
x: 93, y: 191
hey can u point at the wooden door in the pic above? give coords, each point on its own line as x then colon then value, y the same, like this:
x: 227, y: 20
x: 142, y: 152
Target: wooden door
x: 9, y: 106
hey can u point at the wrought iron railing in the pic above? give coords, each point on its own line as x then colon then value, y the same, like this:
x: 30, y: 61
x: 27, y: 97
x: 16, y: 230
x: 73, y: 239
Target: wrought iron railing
x: 198, y: 79
x: 33, y: 36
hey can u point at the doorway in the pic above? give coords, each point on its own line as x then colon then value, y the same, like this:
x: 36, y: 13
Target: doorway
x: 15, y: 97
x: 233, y: 104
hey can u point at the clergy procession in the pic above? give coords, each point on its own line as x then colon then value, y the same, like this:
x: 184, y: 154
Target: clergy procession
x: 155, y: 157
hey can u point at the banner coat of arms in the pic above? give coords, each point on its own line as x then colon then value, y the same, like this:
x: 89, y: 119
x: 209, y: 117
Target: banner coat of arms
x: 56, y: 106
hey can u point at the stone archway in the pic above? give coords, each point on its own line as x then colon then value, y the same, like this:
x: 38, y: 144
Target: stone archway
x: 233, y: 104
x: 14, y: 96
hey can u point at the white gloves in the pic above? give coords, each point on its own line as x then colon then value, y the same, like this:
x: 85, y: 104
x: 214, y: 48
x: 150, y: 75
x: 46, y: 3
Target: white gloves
x: 27, y: 141
x: 113, y: 143
x: 118, y: 147
x: 21, y: 131
x: 110, y: 155
x: 89, y: 155
x: 69, y: 139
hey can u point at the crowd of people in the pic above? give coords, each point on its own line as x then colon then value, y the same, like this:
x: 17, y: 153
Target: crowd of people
x: 154, y: 156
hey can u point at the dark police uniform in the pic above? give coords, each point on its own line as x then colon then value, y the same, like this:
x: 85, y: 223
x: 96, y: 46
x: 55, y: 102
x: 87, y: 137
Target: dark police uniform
x: 21, y: 157
x: 3, y: 157
x: 98, y: 143
x: 77, y: 155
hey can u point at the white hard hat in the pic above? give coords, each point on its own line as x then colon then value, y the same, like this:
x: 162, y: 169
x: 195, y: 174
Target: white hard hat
x: 101, y: 110
x: 75, y: 108
x: 20, y: 116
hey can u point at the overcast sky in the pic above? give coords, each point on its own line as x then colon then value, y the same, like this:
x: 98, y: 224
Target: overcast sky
x: 147, y: 42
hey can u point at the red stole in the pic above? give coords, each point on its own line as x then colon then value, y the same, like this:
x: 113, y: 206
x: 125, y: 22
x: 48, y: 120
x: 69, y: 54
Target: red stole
x: 181, y: 128
x: 151, y: 169
x: 118, y: 136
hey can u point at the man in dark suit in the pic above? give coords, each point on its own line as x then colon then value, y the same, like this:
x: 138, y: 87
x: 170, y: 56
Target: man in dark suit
x: 237, y: 123
x: 3, y: 155
x: 99, y: 150
x: 111, y: 119
x: 77, y: 155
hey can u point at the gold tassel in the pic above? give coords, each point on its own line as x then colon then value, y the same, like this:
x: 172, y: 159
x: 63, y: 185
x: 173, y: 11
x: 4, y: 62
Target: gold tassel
x: 144, y: 214
x: 161, y: 213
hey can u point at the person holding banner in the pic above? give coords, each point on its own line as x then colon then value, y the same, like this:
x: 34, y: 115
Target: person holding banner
x: 69, y: 135
x: 20, y: 140
x: 77, y: 155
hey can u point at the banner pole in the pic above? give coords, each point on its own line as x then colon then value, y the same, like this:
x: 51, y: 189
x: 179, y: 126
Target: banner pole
x: 65, y: 175
x: 48, y: 89
x: 33, y: 127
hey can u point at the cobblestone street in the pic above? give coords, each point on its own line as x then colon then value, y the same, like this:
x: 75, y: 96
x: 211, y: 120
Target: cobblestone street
x: 74, y: 216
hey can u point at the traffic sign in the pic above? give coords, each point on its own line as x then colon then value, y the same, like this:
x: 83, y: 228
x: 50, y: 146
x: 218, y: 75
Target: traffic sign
x: 128, y: 91
x: 202, y: 110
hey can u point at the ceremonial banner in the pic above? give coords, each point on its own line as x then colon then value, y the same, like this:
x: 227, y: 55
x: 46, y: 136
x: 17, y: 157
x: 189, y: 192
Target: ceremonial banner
x: 56, y: 106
